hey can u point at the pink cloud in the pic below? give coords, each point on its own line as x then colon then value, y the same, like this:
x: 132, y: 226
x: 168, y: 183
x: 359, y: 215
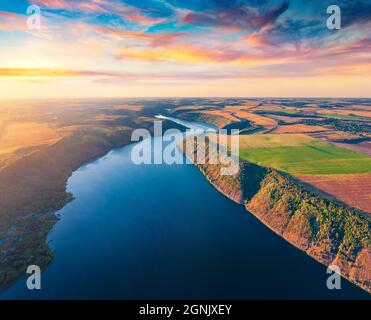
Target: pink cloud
x: 90, y: 6
x: 142, y: 19
x: 10, y: 21
x: 156, y: 39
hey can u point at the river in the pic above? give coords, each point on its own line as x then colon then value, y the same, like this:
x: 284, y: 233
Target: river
x: 163, y: 232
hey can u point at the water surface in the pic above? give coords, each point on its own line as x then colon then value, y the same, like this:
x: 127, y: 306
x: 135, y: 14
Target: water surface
x: 163, y: 232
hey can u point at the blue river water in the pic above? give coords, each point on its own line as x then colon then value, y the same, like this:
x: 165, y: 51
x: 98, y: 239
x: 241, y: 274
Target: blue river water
x: 163, y: 232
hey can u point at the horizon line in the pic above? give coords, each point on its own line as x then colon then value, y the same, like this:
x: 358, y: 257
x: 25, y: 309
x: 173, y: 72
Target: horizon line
x: 184, y: 97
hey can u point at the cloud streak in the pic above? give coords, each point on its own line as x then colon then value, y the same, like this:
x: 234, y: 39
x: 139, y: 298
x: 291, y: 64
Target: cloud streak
x: 50, y: 73
x: 242, y: 18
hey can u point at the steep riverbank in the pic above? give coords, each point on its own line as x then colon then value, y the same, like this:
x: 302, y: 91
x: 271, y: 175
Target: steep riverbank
x: 328, y: 232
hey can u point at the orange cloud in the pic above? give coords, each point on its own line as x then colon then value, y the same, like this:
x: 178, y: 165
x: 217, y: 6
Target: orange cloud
x: 256, y: 40
x: 49, y: 72
x: 192, y: 53
x: 175, y: 53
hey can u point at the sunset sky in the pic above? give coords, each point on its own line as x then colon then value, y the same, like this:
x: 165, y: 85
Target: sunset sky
x: 187, y: 48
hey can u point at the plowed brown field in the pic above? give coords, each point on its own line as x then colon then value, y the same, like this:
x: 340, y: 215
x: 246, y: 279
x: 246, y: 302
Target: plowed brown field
x: 351, y: 189
x: 362, y: 147
x: 299, y: 128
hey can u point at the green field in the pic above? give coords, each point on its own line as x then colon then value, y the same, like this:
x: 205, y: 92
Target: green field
x: 299, y: 154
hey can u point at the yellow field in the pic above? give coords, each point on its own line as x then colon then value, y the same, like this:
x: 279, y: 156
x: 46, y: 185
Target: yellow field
x: 274, y: 140
x: 185, y: 108
x: 221, y: 113
x: 257, y: 119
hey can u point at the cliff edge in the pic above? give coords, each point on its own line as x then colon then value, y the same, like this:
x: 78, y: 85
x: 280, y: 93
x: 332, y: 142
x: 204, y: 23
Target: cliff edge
x: 331, y: 233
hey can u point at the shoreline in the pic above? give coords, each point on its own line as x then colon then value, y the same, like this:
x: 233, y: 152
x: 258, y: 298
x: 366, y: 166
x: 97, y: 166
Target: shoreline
x: 215, y: 182
x: 44, y: 258
x: 294, y: 241
x: 36, y: 258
